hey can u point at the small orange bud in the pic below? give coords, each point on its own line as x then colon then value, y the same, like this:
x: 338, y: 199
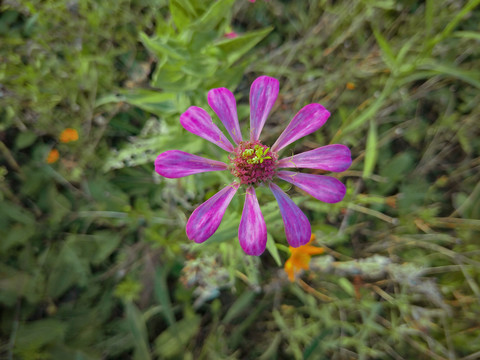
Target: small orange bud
x: 68, y: 135
x: 350, y: 86
x: 52, y: 156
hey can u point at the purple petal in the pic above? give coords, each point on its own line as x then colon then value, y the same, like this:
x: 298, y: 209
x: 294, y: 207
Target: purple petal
x: 297, y: 227
x: 309, y: 119
x: 206, y: 219
x: 175, y: 164
x: 263, y: 93
x: 198, y: 122
x: 223, y: 103
x: 334, y: 157
x: 321, y: 187
x: 252, y: 232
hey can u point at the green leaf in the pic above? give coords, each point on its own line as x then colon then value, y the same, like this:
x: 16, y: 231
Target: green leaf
x: 235, y: 48
x: 429, y: 7
x: 173, y: 341
x: 104, y: 243
x: 370, y: 112
x: 404, y: 50
x: 387, y: 52
x: 143, y: 151
x: 471, y: 77
x: 200, y: 66
x: 227, y: 231
x: 16, y: 213
x: 13, y: 283
x: 170, y: 77
x: 371, y: 152
x: 272, y: 351
x: 447, y: 30
x: 475, y: 35
x: 39, y: 333
x: 69, y: 269
x: 212, y: 17
x: 25, y: 139
x: 182, y: 13
x: 138, y: 330
x: 347, y: 286
x: 272, y: 249
x: 240, y: 305
x: 315, y: 346
x: 16, y: 235
x: 162, y: 295
x: 156, y: 102
x: 160, y: 48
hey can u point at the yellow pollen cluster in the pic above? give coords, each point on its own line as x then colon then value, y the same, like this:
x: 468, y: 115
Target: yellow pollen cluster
x: 260, y: 154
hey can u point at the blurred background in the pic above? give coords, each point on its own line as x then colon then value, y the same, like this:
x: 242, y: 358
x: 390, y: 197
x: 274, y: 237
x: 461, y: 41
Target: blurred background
x: 94, y: 259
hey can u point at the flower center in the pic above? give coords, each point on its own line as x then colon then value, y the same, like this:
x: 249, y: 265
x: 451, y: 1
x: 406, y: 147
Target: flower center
x: 253, y: 162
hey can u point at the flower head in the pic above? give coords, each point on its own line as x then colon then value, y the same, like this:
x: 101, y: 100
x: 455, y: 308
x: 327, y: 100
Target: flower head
x: 350, y: 86
x: 300, y: 258
x: 52, y: 156
x: 68, y: 135
x: 254, y: 163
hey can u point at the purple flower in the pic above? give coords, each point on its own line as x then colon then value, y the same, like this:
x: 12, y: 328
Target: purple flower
x: 254, y: 163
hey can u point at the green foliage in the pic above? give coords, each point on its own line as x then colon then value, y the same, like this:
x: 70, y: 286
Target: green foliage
x: 94, y: 260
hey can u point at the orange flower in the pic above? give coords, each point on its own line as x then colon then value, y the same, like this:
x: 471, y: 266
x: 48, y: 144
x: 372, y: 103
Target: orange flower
x: 350, y: 86
x: 52, y: 156
x: 300, y: 258
x: 68, y: 135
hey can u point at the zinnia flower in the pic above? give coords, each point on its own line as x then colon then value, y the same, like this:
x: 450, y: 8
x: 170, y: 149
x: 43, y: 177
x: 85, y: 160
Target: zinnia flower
x: 300, y: 258
x: 52, y: 156
x: 68, y: 135
x: 254, y: 164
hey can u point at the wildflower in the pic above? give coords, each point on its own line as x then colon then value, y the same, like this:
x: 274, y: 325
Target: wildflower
x: 350, y: 86
x: 68, y: 135
x: 254, y: 164
x: 300, y: 258
x: 52, y: 156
